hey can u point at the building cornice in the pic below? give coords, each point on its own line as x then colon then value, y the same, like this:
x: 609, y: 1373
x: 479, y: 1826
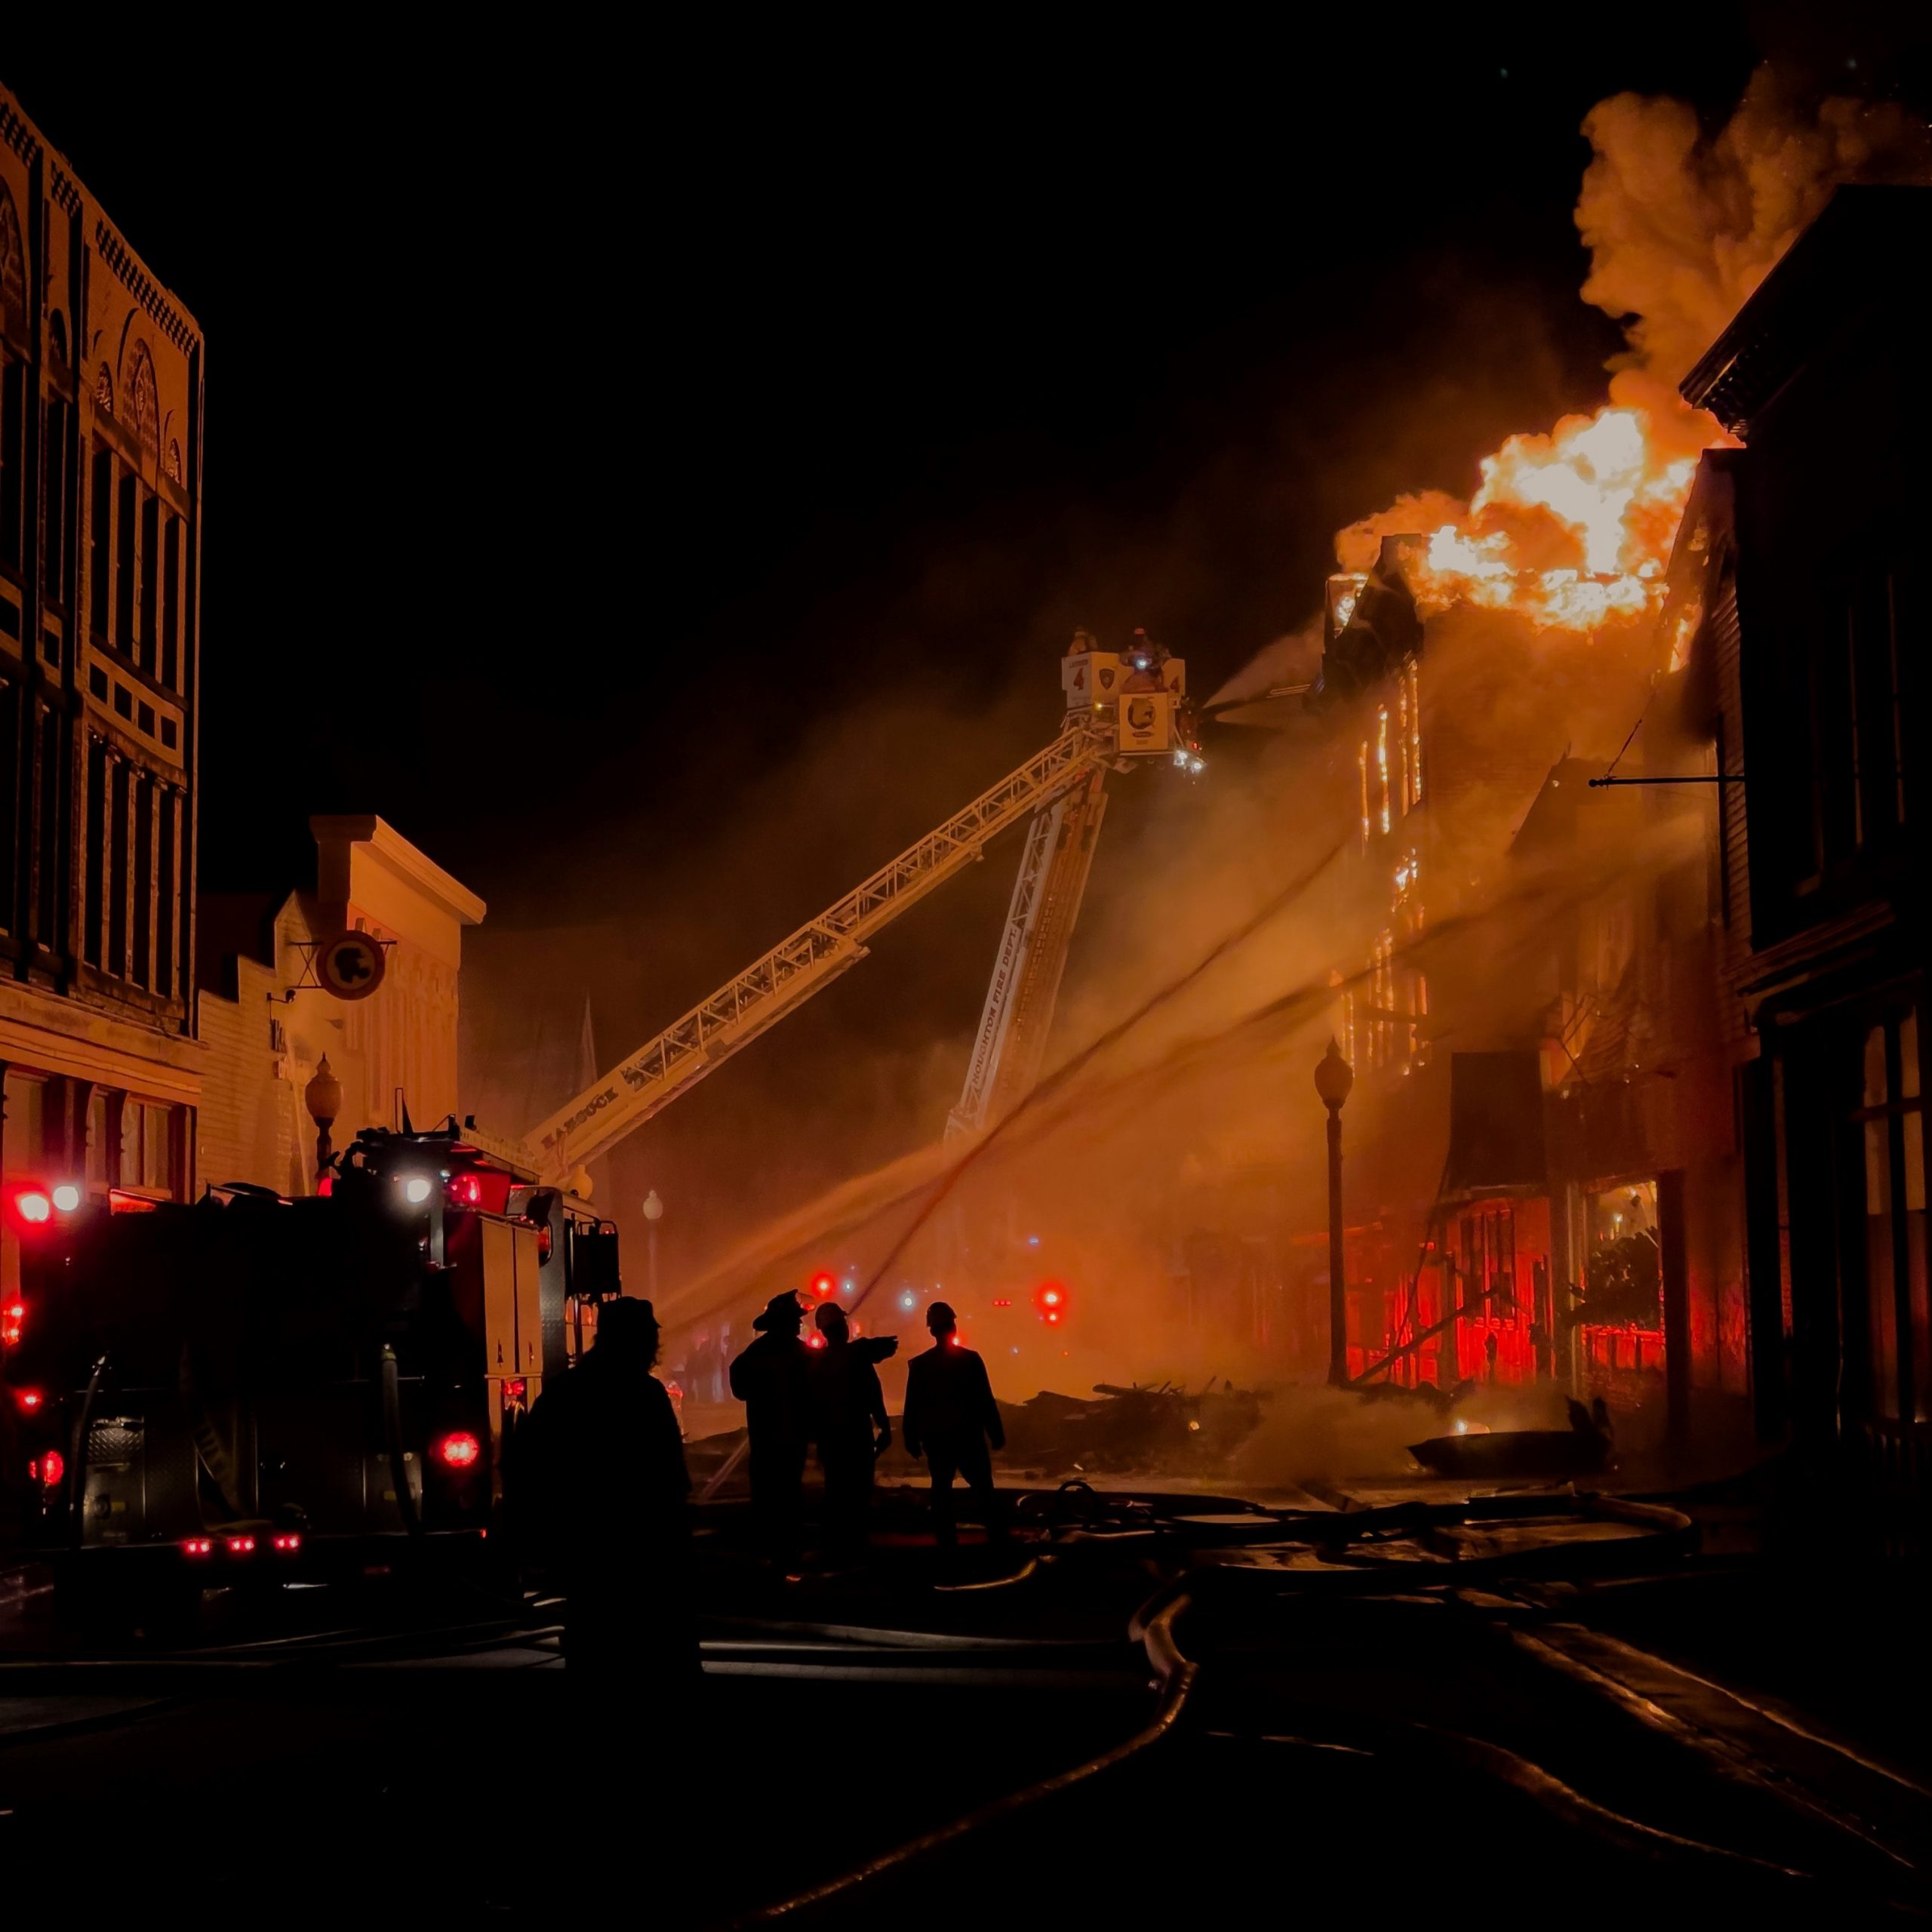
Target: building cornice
x: 415, y: 868
x: 17, y: 131
x: 64, y: 1036
x: 175, y: 324
x: 169, y: 317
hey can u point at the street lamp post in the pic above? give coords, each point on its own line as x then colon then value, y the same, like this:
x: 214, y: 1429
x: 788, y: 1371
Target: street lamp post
x: 1333, y: 1077
x: 323, y: 1098
x: 653, y: 1213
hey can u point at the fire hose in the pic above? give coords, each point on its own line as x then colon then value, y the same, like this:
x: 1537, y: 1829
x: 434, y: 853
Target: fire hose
x: 1153, y: 1625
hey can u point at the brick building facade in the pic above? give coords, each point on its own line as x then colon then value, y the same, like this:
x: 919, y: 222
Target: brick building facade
x: 100, y: 455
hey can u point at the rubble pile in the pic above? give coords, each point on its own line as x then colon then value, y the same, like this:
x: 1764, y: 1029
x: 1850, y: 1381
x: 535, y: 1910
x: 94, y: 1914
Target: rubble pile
x: 1164, y: 1427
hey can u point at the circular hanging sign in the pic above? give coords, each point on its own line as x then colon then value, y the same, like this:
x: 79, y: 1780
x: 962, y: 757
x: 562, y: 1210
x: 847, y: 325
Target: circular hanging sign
x: 351, y: 965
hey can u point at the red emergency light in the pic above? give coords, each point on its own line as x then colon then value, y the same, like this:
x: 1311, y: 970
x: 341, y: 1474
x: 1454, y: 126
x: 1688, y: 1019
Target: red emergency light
x: 824, y: 1285
x: 11, y: 1318
x: 459, y: 1451
x: 1052, y: 1299
x: 53, y: 1467
x: 466, y: 1190
x: 288, y: 1543
x: 241, y: 1546
x: 198, y: 1546
x: 31, y: 1205
x: 29, y: 1400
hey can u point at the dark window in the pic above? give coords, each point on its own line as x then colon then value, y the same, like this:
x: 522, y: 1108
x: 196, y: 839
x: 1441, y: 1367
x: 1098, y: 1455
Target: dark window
x: 1898, y: 1305
x: 150, y: 583
x: 170, y: 735
x: 9, y: 775
x: 1834, y: 741
x: 141, y: 971
x: 144, y: 717
x: 13, y: 462
x: 47, y: 921
x: 171, y: 604
x: 127, y: 528
x: 1912, y: 639
x: 100, y: 545
x: 164, y: 921
x: 97, y: 682
x: 117, y: 871
x: 147, y: 1139
x: 124, y: 702
x: 96, y: 845
x: 54, y: 562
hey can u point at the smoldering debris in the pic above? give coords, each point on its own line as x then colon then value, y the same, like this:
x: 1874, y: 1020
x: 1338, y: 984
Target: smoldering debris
x: 1165, y: 1429
x: 1584, y: 1448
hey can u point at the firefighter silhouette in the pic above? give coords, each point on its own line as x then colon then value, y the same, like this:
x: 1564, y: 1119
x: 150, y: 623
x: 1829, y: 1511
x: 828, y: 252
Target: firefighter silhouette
x: 597, y: 1487
x: 770, y: 1379
x: 849, y: 1423
x: 950, y: 1418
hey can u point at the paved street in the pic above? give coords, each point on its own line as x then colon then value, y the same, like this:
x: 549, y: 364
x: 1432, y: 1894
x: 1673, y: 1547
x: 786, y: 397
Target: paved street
x: 1389, y: 1738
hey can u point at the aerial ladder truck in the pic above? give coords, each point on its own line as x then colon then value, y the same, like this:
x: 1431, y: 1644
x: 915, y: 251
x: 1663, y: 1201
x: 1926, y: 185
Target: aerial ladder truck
x: 1121, y: 709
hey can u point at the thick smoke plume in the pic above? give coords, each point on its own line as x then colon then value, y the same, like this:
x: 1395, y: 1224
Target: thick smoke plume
x: 1682, y: 227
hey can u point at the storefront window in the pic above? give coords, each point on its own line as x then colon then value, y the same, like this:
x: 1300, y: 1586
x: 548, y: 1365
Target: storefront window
x: 145, y: 1126
x: 97, y: 1139
x: 1623, y: 1310
x: 1890, y: 1122
x: 24, y: 1142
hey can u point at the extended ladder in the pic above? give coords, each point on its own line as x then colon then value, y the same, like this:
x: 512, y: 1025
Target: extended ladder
x: 817, y: 953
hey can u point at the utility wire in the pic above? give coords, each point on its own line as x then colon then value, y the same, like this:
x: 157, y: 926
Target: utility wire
x: 1634, y: 730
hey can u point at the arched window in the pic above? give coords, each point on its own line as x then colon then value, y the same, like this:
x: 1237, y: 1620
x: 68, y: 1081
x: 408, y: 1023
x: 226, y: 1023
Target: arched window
x: 145, y: 406
x: 13, y: 269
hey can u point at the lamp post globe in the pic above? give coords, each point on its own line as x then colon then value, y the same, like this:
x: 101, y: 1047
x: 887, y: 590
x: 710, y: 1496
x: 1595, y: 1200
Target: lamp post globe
x: 653, y: 1213
x: 1333, y: 1077
x: 322, y: 1096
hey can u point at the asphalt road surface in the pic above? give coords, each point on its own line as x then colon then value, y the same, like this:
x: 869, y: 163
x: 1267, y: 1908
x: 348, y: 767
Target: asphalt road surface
x: 1452, y: 1723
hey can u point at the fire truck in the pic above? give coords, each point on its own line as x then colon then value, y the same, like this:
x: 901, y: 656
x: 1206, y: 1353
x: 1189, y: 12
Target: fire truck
x: 253, y: 1387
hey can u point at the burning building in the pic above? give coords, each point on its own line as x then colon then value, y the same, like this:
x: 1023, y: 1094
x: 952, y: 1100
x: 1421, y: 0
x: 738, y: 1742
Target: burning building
x: 1580, y: 1015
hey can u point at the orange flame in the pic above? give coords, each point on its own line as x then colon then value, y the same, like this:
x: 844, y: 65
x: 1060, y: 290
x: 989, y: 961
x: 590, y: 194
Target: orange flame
x: 1571, y: 529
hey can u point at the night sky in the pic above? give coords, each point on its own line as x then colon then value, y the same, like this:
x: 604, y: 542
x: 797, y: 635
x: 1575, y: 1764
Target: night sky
x: 659, y: 479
